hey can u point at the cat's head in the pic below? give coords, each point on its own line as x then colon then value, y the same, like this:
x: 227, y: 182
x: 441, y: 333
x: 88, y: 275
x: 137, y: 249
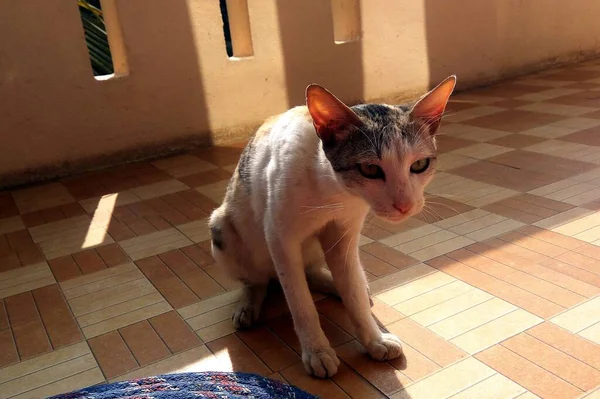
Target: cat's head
x: 385, y: 154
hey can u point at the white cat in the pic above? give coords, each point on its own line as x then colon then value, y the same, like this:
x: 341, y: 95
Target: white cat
x: 298, y: 200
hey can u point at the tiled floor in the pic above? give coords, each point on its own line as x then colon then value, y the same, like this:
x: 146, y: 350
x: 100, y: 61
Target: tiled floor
x: 495, y: 289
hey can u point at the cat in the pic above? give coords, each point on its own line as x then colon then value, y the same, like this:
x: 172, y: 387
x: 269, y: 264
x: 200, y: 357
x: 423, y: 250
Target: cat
x: 298, y: 200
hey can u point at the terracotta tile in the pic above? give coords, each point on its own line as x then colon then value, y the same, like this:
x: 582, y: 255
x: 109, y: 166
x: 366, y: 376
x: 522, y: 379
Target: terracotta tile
x: 64, y: 268
x: 414, y: 364
x: 9, y: 262
x: 296, y: 375
x: 389, y: 255
x: 533, y: 244
x: 144, y: 343
x: 119, y: 231
x: 7, y: 206
x: 33, y: 219
x: 112, y: 255
x: 526, y: 160
x: 175, y: 333
x: 112, y: 354
x: 527, y: 374
x: 169, y: 285
x: 381, y: 374
x: 375, y: 265
x: 270, y: 349
x: 240, y: 356
x: 20, y: 240
x: 374, y: 232
x: 333, y: 309
x: 507, y: 90
x: 141, y: 227
x: 552, y: 237
x: 8, y: 350
x: 575, y: 272
x: 429, y: 344
x: 56, y: 315
x: 513, y: 120
x: 449, y: 143
x: 504, y: 176
x: 580, y: 261
x: 217, y: 273
x: 351, y: 382
x: 3, y: 316
x: 28, y: 330
x: 199, y: 200
x: 89, y: 261
x: 515, y: 295
x: 449, y: 381
x: 559, y: 363
x: 203, y: 178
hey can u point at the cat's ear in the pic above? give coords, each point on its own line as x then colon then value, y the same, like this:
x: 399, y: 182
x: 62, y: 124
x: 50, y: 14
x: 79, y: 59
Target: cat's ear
x: 330, y: 116
x: 430, y: 108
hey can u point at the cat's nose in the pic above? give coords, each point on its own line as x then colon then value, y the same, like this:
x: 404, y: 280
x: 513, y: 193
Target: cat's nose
x: 404, y: 208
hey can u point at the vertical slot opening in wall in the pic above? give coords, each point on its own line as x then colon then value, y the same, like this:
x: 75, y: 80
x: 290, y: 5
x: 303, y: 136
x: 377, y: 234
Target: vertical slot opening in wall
x: 103, y: 38
x: 236, y: 28
x: 346, y: 20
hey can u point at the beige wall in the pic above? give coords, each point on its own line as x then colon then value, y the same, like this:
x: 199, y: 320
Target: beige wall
x: 182, y: 88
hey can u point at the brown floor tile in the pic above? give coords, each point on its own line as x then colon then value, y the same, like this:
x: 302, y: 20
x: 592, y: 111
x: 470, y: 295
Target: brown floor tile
x: 575, y: 272
x: 8, y: 350
x: 571, y: 344
x: 374, y: 232
x: 381, y: 374
x: 191, y: 274
x: 28, y: 330
x: 119, y: 231
x: 504, y: 176
x: 7, y: 206
x: 166, y: 282
x: 198, y: 255
x: 426, y: 342
x: 112, y: 354
x: 144, y: 343
x: 559, y: 363
x: 450, y: 143
x: 587, y: 136
x: 175, y: 332
x: 56, y: 315
x: 296, y: 375
x: 440, y: 208
x: 375, y: 265
x: 270, y: 349
x: 516, y: 141
x: 507, y: 90
x: 532, y: 303
x: 240, y: 356
x: 532, y: 161
x: 112, y: 255
x: 527, y: 374
x: 513, y: 121
x: 572, y: 75
x: 389, y: 255
x: 89, y: 261
x: 64, y: 268
x: 532, y: 243
x: 3, y: 316
x: 586, y: 98
x: 201, y: 179
x: 354, y: 385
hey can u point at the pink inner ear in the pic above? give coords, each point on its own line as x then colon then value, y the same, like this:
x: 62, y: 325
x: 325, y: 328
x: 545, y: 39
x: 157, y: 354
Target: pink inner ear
x: 328, y: 113
x: 433, y: 104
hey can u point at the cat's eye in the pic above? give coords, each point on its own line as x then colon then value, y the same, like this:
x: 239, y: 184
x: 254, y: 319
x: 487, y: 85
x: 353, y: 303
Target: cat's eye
x: 420, y: 166
x: 371, y: 171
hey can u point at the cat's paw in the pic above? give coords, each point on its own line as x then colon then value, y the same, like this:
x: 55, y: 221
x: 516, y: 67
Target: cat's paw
x: 322, y: 363
x: 244, y: 317
x: 386, y: 348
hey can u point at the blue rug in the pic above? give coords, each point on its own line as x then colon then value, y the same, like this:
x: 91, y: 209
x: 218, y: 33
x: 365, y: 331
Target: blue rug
x: 191, y: 385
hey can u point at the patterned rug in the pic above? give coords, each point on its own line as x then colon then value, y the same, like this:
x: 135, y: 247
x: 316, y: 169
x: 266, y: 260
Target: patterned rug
x: 191, y: 385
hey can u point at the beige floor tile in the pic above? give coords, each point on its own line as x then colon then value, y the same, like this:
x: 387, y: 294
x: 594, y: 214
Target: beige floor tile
x: 547, y: 94
x: 159, y: 189
x: 496, y: 330
x: 399, y: 278
x: 363, y: 240
x: 8, y: 225
x: 211, y: 317
x: 77, y: 381
x: 458, y: 220
x: 488, y: 219
x: 106, y: 278
x: 69, y: 236
x: 592, y: 395
x: 108, y: 202
x: 154, y: 243
x: 209, y: 304
x: 425, y: 241
x: 472, y: 113
x: 563, y: 218
x: 495, y: 230
x: 481, y: 150
x: 197, y: 231
x: 401, y: 238
x: 448, y: 381
x: 556, y: 109
x: 415, y: 288
x: 216, y: 331
x: 215, y: 191
x: 474, y: 133
x: 592, y: 333
x: 26, y: 278
x: 432, y: 298
x: 441, y: 248
x: 579, y: 226
x: 494, y: 387
x: 41, y: 197
x: 549, y: 131
x: 448, y: 161
x: 110, y: 313
x: 451, y: 307
x: 194, y: 360
x: 51, y: 368
x: 471, y: 318
x: 580, y: 317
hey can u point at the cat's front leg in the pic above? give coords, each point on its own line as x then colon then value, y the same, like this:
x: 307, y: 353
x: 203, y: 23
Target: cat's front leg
x: 342, y: 256
x: 318, y: 357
